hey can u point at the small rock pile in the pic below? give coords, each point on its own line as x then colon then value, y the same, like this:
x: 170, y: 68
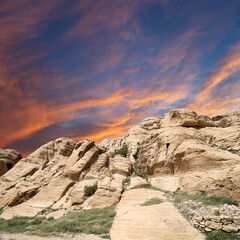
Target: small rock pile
x: 209, y: 218
x: 210, y: 223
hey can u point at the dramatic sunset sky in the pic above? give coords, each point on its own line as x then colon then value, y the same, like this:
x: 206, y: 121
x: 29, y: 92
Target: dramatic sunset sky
x: 94, y: 68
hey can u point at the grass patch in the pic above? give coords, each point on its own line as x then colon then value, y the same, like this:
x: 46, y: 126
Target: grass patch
x: 153, y: 201
x: 47, y: 210
x: 93, y: 221
x: 107, y: 236
x: 220, y: 235
x: 139, y: 171
x: 19, y: 224
x: 26, y: 198
x: 44, y: 166
x: 227, y: 148
x: 90, y: 190
x: 122, y: 151
x: 158, y: 189
x: 180, y: 196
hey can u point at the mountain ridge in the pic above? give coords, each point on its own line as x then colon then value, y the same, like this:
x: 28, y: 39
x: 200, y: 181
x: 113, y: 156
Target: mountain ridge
x: 180, y: 150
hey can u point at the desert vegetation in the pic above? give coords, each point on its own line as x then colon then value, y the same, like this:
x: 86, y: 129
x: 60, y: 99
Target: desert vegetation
x: 122, y: 151
x: 227, y: 148
x: 93, y: 221
x: 90, y: 190
x: 180, y: 196
x: 220, y: 235
x: 152, y: 202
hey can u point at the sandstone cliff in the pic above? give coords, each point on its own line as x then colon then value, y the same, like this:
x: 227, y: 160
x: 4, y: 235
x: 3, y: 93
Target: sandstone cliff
x: 179, y: 150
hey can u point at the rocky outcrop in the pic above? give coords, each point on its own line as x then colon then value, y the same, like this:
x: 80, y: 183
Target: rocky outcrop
x: 134, y: 221
x: 180, y: 149
x: 8, y: 158
x: 186, y: 118
x: 228, y: 119
x: 186, y: 148
x: 137, y: 182
x: 55, y: 176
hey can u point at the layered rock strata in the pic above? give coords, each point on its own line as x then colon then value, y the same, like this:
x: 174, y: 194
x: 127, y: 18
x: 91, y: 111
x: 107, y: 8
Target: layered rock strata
x: 180, y: 149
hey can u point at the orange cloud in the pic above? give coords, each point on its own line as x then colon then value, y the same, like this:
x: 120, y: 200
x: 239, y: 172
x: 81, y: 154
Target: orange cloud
x: 114, y: 127
x: 208, y: 102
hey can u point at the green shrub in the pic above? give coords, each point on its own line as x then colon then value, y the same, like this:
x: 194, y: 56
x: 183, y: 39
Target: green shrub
x: 122, y: 151
x: 223, y: 148
x: 26, y: 198
x: 152, y: 202
x: 106, y: 236
x: 158, y: 189
x: 139, y: 171
x: 180, y: 196
x: 227, y: 148
x: 37, y: 221
x: 14, y: 225
x: 220, y: 235
x: 44, y: 166
x: 90, y: 190
x: 136, y: 154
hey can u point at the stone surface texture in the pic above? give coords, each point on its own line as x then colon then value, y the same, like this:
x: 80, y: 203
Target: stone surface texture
x: 157, y: 222
x: 178, y: 150
x: 8, y: 158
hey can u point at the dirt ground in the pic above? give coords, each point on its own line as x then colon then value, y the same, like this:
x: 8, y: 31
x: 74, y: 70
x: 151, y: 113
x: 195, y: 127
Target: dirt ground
x: 21, y: 236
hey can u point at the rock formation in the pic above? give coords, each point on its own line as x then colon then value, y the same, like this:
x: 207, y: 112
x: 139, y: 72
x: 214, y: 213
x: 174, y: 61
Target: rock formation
x: 179, y: 150
x: 8, y: 158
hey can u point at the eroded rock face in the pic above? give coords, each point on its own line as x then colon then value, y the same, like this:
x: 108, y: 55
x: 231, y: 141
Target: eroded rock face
x: 222, y: 182
x: 186, y: 118
x: 134, y: 221
x: 184, y: 143
x: 228, y: 119
x: 56, y: 176
x: 151, y: 123
x: 181, y: 149
x: 8, y: 158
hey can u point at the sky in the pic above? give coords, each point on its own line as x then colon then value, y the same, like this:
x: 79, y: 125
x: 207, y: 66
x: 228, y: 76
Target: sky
x: 95, y: 68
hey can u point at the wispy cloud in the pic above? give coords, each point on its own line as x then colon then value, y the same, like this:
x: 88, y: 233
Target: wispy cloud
x: 218, y: 94
x: 92, y: 69
x: 103, y: 15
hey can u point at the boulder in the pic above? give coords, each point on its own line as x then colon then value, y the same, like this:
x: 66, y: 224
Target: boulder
x: 134, y: 221
x: 221, y: 182
x: 228, y: 119
x: 8, y: 158
x: 137, y: 182
x: 120, y: 165
x: 77, y: 195
x: 186, y: 118
x: 108, y: 192
x: 150, y: 123
x: 80, y: 149
x: 83, y: 163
